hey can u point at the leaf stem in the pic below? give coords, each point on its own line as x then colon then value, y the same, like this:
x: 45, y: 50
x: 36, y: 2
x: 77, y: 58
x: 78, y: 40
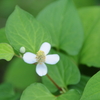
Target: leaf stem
x: 18, y: 56
x: 54, y: 82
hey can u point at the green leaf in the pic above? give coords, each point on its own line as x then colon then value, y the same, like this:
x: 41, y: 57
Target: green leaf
x: 7, y: 92
x: 3, y: 38
x: 64, y: 73
x: 6, y: 51
x: 84, y: 3
x: 37, y: 91
x: 22, y: 29
x: 90, y: 53
x: 15, y: 97
x: 70, y: 95
x: 80, y: 86
x: 20, y: 74
x: 92, y: 89
x: 63, y: 23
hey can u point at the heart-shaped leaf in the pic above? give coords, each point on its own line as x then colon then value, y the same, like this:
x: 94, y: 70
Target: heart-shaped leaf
x: 38, y: 91
x: 63, y: 23
x: 64, y: 73
x: 22, y: 29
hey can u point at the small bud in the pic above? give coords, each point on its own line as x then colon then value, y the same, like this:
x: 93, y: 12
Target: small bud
x: 22, y: 49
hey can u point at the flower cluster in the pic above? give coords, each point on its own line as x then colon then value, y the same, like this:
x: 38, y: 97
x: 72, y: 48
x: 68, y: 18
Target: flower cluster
x: 41, y: 58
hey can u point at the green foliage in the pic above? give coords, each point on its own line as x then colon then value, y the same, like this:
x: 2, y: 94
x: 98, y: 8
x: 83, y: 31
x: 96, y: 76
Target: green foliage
x: 34, y: 6
x: 6, y: 89
x: 38, y: 91
x: 7, y: 92
x: 90, y: 53
x: 4, y: 5
x: 6, y: 51
x: 3, y: 38
x: 20, y: 74
x: 64, y: 73
x: 66, y: 30
x: 81, y: 85
x: 22, y: 29
x: 60, y: 25
x: 92, y: 89
x: 70, y: 95
x: 84, y: 3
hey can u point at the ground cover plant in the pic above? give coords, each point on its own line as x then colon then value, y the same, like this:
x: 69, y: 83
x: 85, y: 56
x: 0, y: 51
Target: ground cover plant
x: 53, y: 54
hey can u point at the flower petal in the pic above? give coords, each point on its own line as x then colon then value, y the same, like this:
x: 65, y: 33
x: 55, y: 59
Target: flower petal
x: 29, y: 58
x: 41, y: 69
x: 45, y: 47
x: 52, y: 59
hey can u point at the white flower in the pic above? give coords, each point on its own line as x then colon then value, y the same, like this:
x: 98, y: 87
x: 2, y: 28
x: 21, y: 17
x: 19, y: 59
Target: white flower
x: 41, y: 58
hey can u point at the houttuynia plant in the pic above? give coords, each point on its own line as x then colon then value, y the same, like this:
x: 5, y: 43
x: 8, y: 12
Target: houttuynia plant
x: 50, y: 50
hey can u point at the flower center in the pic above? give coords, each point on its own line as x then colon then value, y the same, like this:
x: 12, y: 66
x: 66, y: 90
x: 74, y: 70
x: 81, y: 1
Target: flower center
x: 40, y: 56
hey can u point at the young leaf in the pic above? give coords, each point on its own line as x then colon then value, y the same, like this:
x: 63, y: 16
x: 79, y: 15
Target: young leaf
x: 6, y: 51
x: 92, y: 89
x: 90, y: 53
x: 63, y: 23
x: 64, y: 73
x: 22, y: 29
x: 37, y: 91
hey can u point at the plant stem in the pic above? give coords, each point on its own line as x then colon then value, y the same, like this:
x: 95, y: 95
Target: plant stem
x: 18, y: 56
x: 54, y: 82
